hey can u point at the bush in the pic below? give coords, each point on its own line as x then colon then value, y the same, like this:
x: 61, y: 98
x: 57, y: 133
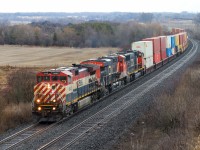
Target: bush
x: 14, y: 114
x: 15, y: 100
x: 20, y: 86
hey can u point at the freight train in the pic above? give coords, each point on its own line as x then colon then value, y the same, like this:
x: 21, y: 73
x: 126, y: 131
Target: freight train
x: 65, y: 90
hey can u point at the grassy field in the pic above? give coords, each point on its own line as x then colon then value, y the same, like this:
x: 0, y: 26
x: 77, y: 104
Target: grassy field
x: 172, y: 121
x: 48, y: 56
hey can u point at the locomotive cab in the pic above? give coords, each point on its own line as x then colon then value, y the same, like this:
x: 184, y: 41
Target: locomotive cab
x: 50, y: 93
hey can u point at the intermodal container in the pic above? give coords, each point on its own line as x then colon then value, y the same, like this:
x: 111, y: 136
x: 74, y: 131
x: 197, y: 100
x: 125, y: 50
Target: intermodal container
x: 176, y: 39
x: 148, y: 62
x: 173, y: 51
x: 156, y: 43
x: 168, y: 42
x: 172, y: 41
x: 173, y: 31
x: 169, y: 52
x: 163, y: 40
x: 177, y: 30
x: 156, y: 57
x: 184, y: 37
x: 146, y: 47
x: 181, y: 38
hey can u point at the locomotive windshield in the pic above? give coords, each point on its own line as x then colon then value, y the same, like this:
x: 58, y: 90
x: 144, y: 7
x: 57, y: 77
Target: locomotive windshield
x: 59, y: 78
x: 46, y: 78
x: 39, y: 79
x: 43, y: 78
x: 63, y: 79
x: 52, y: 78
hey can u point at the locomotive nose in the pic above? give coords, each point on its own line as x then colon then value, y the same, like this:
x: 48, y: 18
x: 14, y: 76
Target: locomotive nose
x: 48, y: 93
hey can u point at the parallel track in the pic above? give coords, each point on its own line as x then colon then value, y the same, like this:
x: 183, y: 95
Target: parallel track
x: 23, y: 135
x: 73, y: 134
x: 65, y: 140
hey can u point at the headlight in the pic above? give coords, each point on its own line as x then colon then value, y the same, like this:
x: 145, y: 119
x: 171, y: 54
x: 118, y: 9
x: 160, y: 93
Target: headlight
x: 39, y: 108
x: 38, y: 100
x: 48, y: 86
x: 54, y: 108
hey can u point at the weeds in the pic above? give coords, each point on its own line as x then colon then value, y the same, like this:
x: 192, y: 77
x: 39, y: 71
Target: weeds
x: 20, y: 86
x: 173, y: 120
x: 15, y: 100
x: 14, y: 114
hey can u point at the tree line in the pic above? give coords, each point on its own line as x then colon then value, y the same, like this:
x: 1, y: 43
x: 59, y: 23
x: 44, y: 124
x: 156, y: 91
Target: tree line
x: 89, y: 34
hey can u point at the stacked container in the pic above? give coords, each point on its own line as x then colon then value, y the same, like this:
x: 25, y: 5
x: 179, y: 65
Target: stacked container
x: 173, y: 31
x: 163, y: 40
x: 177, y: 30
x: 177, y: 44
x: 168, y: 46
x: 173, y: 44
x: 182, y: 30
x: 181, y: 38
x: 145, y: 47
x: 184, y: 40
x: 156, y: 48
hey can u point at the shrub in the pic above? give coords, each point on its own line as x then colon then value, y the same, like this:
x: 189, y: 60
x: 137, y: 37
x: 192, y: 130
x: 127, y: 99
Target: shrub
x: 20, y: 86
x: 14, y: 114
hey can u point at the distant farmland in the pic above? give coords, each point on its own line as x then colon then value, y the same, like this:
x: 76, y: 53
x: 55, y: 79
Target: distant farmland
x: 51, y: 56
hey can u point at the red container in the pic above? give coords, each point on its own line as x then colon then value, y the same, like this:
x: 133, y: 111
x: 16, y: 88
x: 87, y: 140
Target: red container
x: 181, y: 38
x: 184, y: 37
x: 163, y: 47
x: 177, y: 30
x: 156, y: 58
x: 173, y: 31
x: 156, y: 43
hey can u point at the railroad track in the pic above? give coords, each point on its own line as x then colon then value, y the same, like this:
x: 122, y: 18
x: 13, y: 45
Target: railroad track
x: 23, y: 135
x: 65, y: 140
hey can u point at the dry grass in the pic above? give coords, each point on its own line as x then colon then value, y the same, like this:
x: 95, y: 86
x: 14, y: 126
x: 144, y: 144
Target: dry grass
x: 16, y: 97
x: 13, y: 115
x: 173, y: 121
x: 50, y: 56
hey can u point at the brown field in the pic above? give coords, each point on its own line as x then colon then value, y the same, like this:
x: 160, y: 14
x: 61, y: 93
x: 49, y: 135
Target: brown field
x: 48, y: 56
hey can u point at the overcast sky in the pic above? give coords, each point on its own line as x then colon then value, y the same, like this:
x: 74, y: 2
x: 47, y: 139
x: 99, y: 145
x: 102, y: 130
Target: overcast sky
x: 99, y: 5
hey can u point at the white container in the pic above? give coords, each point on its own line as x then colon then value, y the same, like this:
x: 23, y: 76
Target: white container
x: 173, y: 51
x: 148, y: 62
x: 145, y: 47
x: 168, y: 42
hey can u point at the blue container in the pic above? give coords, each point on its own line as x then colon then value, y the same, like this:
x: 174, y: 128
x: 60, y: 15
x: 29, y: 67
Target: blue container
x: 172, y: 41
x: 169, y: 52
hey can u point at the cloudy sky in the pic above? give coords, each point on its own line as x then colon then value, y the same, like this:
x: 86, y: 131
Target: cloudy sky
x: 99, y: 5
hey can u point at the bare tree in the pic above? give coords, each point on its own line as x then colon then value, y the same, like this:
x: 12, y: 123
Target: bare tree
x: 146, y: 17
